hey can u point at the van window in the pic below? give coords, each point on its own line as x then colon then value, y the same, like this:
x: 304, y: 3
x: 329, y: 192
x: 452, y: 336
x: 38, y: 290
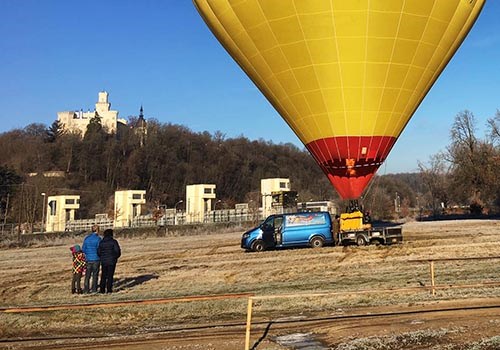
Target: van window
x: 278, y: 221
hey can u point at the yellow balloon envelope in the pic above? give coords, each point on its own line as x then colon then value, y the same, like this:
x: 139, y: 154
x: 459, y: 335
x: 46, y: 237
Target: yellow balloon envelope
x: 346, y: 75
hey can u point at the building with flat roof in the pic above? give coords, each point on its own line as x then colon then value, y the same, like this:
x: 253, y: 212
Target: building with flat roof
x: 198, y: 201
x: 128, y: 205
x: 60, y: 210
x: 270, y: 190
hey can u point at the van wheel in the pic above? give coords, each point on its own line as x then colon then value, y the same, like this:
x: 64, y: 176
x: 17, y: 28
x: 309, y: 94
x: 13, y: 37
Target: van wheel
x: 258, y: 246
x: 360, y: 240
x: 317, y: 242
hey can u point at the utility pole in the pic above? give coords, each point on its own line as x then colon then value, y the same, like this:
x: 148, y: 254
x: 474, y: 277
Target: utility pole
x: 43, y: 211
x: 397, y: 203
x: 5, y: 212
x: 175, y: 207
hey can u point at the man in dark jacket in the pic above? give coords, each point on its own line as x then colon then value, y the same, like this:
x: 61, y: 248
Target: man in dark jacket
x: 109, y: 252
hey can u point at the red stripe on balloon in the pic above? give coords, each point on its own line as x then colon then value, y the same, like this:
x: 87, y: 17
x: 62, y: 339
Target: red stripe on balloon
x: 351, y: 161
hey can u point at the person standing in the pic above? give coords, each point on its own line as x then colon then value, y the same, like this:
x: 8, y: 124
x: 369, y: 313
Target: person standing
x: 90, y: 245
x: 109, y: 251
x: 78, y: 268
x: 336, y: 230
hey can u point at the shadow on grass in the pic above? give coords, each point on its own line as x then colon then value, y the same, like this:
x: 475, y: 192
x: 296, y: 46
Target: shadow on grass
x: 264, y: 335
x: 131, y: 282
x: 381, y: 223
x: 459, y: 217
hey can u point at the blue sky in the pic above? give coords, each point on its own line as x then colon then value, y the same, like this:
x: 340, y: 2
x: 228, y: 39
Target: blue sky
x: 57, y: 55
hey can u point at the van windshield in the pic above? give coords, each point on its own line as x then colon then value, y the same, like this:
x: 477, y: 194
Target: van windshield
x: 268, y: 223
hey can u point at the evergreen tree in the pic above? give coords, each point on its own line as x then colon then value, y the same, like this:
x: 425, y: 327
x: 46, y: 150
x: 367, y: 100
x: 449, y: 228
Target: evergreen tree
x: 54, y: 131
x: 94, y: 126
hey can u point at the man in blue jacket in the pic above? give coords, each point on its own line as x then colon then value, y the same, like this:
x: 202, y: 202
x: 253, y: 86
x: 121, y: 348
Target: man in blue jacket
x: 90, y: 245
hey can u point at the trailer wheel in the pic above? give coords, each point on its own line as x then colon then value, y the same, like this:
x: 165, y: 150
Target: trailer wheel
x: 258, y: 246
x: 317, y: 242
x: 361, y: 240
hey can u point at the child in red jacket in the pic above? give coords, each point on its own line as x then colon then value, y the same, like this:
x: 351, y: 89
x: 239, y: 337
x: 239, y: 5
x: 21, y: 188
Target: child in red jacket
x: 79, y: 265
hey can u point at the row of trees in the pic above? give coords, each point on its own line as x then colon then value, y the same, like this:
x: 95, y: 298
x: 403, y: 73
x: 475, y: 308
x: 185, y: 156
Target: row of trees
x: 173, y: 156
x: 467, y: 171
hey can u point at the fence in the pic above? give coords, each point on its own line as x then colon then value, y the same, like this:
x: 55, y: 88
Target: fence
x: 170, y: 218
x: 86, y: 224
x: 232, y: 215
x: 432, y: 268
x: 214, y: 216
x: 432, y: 288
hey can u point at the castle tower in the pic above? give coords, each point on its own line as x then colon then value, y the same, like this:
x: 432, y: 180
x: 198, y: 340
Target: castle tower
x: 140, y: 127
x: 102, y: 105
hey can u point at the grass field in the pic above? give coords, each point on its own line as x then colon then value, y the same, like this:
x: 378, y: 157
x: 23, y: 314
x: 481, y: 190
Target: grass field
x: 213, y: 263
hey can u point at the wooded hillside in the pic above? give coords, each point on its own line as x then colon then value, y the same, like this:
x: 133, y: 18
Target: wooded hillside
x: 167, y: 157
x: 171, y: 157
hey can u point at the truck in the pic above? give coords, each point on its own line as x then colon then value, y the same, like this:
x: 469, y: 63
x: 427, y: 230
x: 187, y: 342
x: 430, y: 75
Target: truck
x: 356, y: 228
x: 287, y: 230
x: 316, y: 229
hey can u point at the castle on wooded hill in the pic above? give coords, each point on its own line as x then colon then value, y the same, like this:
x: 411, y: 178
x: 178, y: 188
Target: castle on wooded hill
x: 77, y: 121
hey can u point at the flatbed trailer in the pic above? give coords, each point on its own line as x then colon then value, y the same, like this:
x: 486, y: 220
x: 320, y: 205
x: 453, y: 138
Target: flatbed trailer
x: 377, y: 235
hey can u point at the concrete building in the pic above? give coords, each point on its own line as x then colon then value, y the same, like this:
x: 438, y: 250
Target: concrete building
x: 128, y: 205
x: 268, y: 191
x: 77, y: 121
x: 198, y: 201
x: 60, y: 210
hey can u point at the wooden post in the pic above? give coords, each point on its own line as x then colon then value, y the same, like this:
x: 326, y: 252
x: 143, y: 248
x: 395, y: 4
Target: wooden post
x: 249, y: 323
x: 433, y: 282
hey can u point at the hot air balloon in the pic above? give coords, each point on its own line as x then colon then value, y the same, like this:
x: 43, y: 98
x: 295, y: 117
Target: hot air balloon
x: 346, y: 76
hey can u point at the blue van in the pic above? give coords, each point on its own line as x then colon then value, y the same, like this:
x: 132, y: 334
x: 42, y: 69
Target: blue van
x: 286, y: 230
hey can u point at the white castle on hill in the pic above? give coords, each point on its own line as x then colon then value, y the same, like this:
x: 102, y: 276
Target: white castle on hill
x: 77, y: 121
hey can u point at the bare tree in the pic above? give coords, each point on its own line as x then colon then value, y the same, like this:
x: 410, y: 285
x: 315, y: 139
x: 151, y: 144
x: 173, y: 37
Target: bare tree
x: 494, y: 134
x: 494, y: 127
x: 464, y: 156
x: 435, y: 178
x: 473, y: 162
x: 463, y: 133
